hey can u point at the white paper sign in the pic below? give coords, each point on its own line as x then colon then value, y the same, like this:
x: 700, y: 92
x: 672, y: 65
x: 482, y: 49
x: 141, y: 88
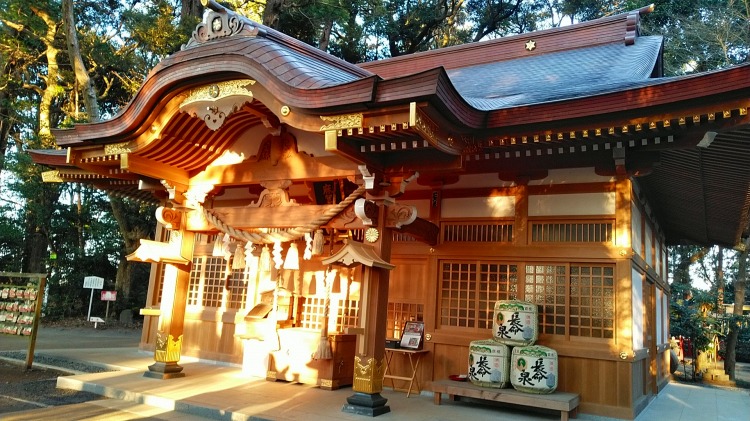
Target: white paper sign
x: 93, y: 282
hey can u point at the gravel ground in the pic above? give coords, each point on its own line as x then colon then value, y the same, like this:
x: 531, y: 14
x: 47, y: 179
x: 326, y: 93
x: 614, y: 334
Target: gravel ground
x: 22, y: 389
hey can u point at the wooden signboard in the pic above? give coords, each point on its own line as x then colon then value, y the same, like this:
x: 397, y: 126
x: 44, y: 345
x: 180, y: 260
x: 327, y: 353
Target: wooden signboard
x: 21, y: 306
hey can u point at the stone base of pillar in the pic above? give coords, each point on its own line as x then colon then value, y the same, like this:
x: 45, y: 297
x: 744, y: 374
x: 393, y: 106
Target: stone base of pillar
x: 164, y: 371
x: 366, y: 404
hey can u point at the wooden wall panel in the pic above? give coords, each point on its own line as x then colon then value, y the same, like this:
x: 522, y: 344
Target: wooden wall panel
x: 408, y: 281
x: 211, y: 339
x: 449, y: 359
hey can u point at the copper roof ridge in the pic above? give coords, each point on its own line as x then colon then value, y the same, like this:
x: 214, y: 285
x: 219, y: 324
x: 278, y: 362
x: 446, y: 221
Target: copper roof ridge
x: 628, y: 21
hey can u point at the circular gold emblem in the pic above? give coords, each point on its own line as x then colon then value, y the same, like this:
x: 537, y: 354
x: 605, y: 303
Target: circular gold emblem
x: 213, y: 91
x: 372, y: 235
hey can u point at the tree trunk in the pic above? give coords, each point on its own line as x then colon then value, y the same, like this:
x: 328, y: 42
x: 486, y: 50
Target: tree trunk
x: 39, y: 208
x: 325, y: 37
x: 131, y: 237
x: 53, y: 75
x: 83, y: 81
x: 190, y: 8
x: 740, y: 284
x: 272, y: 13
x: 123, y: 281
x: 4, y: 130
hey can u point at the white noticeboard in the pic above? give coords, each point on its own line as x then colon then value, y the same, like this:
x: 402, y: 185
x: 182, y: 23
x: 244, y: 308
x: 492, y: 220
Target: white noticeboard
x: 93, y: 282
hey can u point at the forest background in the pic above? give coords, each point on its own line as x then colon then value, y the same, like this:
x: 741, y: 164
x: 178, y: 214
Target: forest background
x: 64, y: 62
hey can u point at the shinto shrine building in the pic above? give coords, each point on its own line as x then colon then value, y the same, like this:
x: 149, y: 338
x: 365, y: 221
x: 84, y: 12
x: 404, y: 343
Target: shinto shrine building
x: 303, y: 197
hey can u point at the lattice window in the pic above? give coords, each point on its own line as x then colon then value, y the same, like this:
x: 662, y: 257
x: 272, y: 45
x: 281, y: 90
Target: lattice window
x: 572, y: 232
x: 457, y: 292
x: 546, y: 285
x: 496, y: 282
x: 213, y: 281
x: 341, y: 314
x: 347, y: 314
x: 312, y: 313
x: 469, y: 290
x: 454, y: 232
x: 194, y: 286
x: 237, y: 289
x: 592, y: 303
x: 160, y: 283
x: 399, y: 314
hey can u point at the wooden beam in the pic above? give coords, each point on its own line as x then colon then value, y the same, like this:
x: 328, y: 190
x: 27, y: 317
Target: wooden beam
x: 349, y: 151
x: 153, y: 169
x: 432, y: 132
x: 295, y: 168
x: 264, y: 217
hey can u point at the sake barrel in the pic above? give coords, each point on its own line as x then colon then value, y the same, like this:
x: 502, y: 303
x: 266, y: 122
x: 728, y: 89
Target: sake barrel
x: 489, y: 363
x: 515, y: 323
x: 533, y: 369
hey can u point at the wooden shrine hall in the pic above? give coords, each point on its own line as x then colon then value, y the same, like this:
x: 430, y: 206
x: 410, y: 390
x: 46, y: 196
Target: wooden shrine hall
x: 309, y: 207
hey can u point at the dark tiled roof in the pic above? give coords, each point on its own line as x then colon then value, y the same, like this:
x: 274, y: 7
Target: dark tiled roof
x: 558, y: 76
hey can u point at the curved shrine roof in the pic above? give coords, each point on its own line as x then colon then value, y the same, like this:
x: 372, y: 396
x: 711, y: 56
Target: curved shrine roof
x: 541, y: 95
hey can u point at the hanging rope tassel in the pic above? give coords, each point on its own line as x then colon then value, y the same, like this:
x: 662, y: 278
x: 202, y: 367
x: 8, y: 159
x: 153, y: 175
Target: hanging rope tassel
x: 239, y: 257
x: 318, y: 242
x: 324, y: 351
x: 292, y: 257
x: 218, y: 250
x: 265, y: 259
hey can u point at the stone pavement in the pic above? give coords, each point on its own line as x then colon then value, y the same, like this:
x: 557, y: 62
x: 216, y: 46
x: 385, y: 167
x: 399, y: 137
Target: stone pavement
x: 220, y: 391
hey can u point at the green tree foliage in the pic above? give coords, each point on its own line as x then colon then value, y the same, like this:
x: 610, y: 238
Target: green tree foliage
x: 701, y: 35
x: 40, y: 92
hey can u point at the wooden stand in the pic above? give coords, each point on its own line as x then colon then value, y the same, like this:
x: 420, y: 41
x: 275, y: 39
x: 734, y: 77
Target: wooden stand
x: 415, y: 356
x: 21, y: 306
x: 566, y: 403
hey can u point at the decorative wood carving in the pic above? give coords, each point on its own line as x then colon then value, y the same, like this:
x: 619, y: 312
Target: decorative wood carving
x: 340, y: 122
x: 116, y: 148
x: 195, y: 196
x: 214, y: 103
x: 367, y: 211
x: 168, y: 348
x: 400, y: 215
x: 275, y: 195
x: 346, y: 220
x: 52, y: 176
x: 170, y: 218
x: 221, y: 22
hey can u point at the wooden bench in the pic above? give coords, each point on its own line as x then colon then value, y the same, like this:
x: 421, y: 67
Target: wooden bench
x: 566, y: 403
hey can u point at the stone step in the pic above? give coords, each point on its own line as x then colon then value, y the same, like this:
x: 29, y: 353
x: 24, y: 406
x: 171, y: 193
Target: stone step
x: 717, y: 377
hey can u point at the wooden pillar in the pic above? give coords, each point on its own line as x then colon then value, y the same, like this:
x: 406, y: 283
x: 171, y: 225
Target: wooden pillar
x: 369, y: 368
x: 172, y: 310
x: 521, y: 222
